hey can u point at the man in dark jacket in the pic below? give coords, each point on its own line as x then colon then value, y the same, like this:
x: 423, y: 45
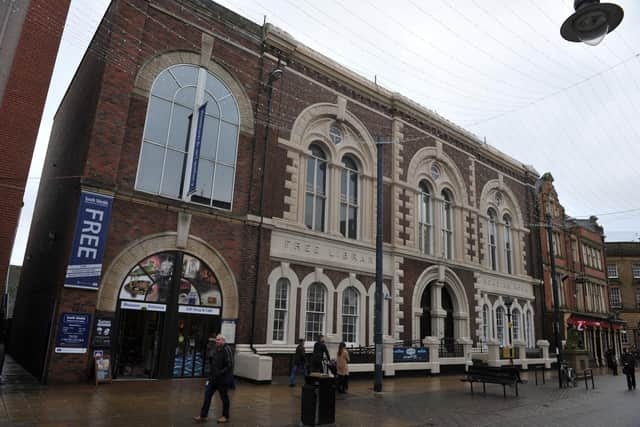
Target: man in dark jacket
x: 220, y: 377
x: 299, y: 362
x: 319, y: 351
x: 629, y: 369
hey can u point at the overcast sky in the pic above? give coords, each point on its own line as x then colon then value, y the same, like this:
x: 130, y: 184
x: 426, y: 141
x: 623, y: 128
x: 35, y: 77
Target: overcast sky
x: 497, y: 68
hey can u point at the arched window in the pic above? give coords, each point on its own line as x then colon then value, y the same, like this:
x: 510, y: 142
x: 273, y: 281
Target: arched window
x: 500, y: 326
x: 486, y: 331
x: 531, y: 340
x: 424, y: 218
x: 316, y: 312
x: 507, y: 244
x: 493, y: 261
x: 281, y: 310
x: 316, y: 189
x: 349, y: 199
x: 190, y: 138
x: 350, y: 315
x: 447, y: 224
x: 515, y: 322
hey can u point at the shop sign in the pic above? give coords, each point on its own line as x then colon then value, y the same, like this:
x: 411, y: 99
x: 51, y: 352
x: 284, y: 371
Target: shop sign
x: 85, y: 263
x: 134, y: 305
x: 102, y: 332
x: 410, y: 354
x: 73, y: 333
x: 228, y: 331
x: 194, y: 309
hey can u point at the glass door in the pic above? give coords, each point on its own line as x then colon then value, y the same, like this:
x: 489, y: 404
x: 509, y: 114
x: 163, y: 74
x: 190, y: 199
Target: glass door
x: 192, y: 344
x: 139, y: 343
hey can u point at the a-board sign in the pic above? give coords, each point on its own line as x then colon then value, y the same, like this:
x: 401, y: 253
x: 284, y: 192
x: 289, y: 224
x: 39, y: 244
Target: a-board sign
x: 102, y: 365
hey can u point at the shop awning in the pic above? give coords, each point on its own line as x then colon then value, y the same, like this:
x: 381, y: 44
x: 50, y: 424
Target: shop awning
x: 580, y: 322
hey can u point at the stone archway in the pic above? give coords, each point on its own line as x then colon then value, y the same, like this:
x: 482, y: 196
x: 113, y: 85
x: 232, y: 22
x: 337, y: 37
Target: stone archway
x: 142, y: 248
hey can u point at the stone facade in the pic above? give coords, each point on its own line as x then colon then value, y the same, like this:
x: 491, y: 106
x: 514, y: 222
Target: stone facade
x: 289, y: 261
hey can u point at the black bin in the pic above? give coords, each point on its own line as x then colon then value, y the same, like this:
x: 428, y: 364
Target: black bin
x: 318, y: 400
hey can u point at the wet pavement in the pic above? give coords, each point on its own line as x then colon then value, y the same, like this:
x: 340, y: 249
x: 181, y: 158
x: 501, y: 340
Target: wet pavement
x: 407, y: 401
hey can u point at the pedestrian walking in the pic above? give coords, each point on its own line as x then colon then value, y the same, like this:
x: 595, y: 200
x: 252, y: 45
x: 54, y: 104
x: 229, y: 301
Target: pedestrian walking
x: 342, y: 367
x: 299, y: 363
x: 629, y: 369
x: 220, y: 378
x: 611, y: 361
x: 318, y: 355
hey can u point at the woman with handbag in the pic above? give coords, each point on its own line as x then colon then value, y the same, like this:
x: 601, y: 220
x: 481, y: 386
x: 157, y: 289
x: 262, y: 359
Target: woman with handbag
x: 342, y: 367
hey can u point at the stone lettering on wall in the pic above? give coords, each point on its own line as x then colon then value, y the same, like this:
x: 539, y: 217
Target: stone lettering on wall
x: 504, y: 286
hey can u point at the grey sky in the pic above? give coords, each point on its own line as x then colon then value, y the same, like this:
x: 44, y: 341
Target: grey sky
x: 497, y: 68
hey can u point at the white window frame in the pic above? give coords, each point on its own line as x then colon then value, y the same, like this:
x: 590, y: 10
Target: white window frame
x: 635, y: 271
x: 447, y: 220
x: 486, y: 322
x: 508, y: 249
x: 501, y: 315
x: 637, y: 296
x: 283, y: 271
x: 515, y: 323
x: 612, y: 271
x: 425, y: 219
x: 316, y: 276
x: 345, y: 198
x: 284, y: 311
x: 492, y: 240
x: 356, y: 317
x: 313, y: 191
x: 530, y: 327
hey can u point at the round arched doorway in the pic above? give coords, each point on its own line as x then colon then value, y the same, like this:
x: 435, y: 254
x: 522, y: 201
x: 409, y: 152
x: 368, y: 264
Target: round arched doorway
x: 427, y: 320
x: 169, y: 304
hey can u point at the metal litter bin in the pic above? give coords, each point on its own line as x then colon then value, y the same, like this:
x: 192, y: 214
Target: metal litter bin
x: 318, y: 400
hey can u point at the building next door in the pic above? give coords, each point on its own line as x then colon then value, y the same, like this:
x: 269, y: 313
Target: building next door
x: 169, y: 306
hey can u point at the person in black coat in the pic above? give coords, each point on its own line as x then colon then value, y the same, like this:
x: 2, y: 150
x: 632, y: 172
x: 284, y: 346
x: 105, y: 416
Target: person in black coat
x: 220, y: 378
x: 319, y: 351
x: 299, y: 362
x: 629, y: 369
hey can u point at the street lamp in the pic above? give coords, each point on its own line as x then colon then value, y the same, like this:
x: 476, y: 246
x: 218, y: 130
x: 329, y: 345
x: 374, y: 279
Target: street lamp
x: 507, y: 302
x: 591, y: 21
x: 556, y: 297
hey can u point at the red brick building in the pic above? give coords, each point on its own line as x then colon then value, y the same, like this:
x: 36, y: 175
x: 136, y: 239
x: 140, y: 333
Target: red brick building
x: 581, y: 276
x: 239, y: 170
x: 29, y: 38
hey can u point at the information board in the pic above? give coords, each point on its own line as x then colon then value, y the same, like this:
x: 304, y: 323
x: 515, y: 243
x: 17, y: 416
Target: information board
x: 102, y: 365
x: 410, y: 354
x: 102, y: 332
x: 73, y: 333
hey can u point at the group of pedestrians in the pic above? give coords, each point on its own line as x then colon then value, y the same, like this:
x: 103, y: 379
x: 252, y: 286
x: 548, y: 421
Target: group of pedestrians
x: 321, y: 362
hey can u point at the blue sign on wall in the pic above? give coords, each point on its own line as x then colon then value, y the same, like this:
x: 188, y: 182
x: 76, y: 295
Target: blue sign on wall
x: 73, y: 333
x: 410, y: 354
x: 85, y: 263
x: 196, y: 149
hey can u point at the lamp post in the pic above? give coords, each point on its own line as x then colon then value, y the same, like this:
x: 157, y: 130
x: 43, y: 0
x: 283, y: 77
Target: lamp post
x: 377, y: 319
x: 508, y: 301
x: 556, y: 296
x: 591, y: 22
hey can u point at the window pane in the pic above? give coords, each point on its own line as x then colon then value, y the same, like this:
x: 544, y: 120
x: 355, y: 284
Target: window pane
x: 343, y: 219
x: 229, y: 110
x: 308, y: 211
x: 319, y: 225
x: 216, y: 87
x: 186, y: 97
x: 173, y: 169
x: 353, y: 188
x: 223, y: 183
x: 228, y: 142
x: 157, y: 124
x: 209, y: 138
x: 179, y: 128
x: 353, y: 222
x: 213, y: 109
x: 343, y: 183
x: 165, y: 86
x: 187, y: 75
x: 322, y: 171
x: 150, y: 169
x: 204, y: 183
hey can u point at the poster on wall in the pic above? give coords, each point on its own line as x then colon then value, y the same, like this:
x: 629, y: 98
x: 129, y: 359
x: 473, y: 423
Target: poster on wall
x: 410, y: 354
x: 85, y: 262
x: 73, y: 333
x: 102, y: 332
x: 228, y: 331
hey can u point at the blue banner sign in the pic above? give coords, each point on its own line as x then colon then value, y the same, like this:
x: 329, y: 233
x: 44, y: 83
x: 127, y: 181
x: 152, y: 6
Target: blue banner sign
x: 196, y: 149
x: 410, y: 354
x: 85, y: 263
x: 73, y: 333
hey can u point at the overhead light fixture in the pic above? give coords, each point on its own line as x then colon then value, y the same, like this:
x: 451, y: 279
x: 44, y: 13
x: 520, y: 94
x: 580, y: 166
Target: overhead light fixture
x: 591, y: 22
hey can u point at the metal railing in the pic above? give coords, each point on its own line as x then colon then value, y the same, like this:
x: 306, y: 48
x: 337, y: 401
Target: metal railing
x: 450, y: 348
x: 362, y: 354
x: 533, y: 353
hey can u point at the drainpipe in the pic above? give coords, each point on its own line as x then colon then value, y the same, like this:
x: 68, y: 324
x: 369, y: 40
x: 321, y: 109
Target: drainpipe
x: 273, y: 76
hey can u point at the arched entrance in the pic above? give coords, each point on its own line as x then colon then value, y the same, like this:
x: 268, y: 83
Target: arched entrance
x: 428, y: 324
x: 169, y: 304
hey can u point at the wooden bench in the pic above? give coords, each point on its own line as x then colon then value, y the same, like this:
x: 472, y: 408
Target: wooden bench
x: 505, y: 376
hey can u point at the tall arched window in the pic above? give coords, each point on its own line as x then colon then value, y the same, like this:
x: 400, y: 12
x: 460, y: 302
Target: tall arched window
x: 350, y: 315
x: 508, y: 250
x: 281, y: 310
x: 349, y: 198
x: 515, y: 321
x: 447, y: 224
x: 492, y: 239
x: 531, y: 340
x: 190, y: 138
x: 424, y: 218
x: 316, y: 189
x: 316, y: 312
x: 500, y: 325
x: 486, y: 331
